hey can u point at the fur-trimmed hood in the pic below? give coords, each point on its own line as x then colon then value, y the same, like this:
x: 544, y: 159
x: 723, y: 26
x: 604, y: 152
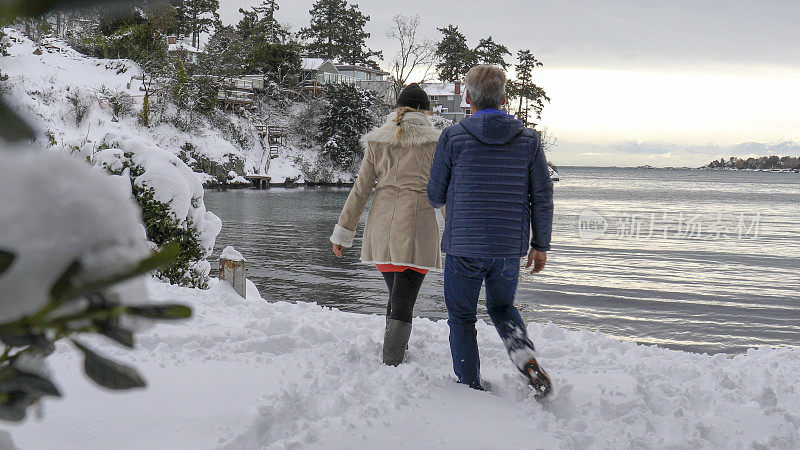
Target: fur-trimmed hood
x: 417, y: 130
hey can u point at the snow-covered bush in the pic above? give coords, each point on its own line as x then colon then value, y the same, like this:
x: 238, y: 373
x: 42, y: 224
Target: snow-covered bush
x: 120, y: 101
x: 171, y: 198
x: 306, y: 120
x: 231, y: 130
x: 318, y: 169
x: 3, y: 52
x: 217, y: 170
x: 71, y: 254
x: 80, y: 104
x: 440, y: 122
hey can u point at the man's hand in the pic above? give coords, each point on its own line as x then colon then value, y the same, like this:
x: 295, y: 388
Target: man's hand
x: 337, y: 250
x: 538, y: 259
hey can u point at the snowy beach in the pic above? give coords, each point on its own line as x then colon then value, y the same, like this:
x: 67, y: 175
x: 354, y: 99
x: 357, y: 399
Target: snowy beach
x: 252, y: 374
x: 667, y: 314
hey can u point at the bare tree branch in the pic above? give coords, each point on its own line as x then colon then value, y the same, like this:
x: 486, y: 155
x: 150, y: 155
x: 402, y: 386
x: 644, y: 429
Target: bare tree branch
x: 416, y: 54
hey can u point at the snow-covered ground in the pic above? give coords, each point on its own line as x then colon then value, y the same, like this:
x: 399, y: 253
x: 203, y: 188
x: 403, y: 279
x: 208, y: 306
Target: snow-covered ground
x: 252, y: 374
x: 40, y: 85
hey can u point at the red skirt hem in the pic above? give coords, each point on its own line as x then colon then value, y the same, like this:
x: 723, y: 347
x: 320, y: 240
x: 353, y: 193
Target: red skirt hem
x: 396, y: 268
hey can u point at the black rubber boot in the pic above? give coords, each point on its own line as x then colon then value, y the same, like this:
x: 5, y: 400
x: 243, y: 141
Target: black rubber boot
x: 395, y: 341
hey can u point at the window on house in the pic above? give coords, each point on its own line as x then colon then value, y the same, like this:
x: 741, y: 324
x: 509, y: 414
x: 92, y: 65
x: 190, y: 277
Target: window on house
x: 434, y: 98
x: 450, y: 98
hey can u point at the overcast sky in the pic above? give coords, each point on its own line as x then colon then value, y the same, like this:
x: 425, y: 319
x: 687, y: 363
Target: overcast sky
x: 688, y: 73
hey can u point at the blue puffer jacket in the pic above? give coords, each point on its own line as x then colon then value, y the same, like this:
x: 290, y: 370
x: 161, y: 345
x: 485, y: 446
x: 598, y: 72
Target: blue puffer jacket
x: 491, y: 174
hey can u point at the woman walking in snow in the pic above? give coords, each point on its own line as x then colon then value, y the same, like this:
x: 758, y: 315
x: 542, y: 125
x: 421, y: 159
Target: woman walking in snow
x: 402, y: 235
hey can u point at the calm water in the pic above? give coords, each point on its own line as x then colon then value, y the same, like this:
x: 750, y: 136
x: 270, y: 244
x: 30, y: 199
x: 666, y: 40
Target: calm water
x: 692, y: 260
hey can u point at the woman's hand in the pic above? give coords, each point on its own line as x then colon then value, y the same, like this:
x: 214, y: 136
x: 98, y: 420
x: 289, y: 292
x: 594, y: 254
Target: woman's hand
x: 337, y: 250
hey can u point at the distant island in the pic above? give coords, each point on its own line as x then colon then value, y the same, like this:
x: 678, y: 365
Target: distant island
x: 767, y: 163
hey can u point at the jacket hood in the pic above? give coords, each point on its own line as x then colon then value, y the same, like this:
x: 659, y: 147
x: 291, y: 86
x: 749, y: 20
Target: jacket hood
x: 494, y: 129
x: 417, y: 130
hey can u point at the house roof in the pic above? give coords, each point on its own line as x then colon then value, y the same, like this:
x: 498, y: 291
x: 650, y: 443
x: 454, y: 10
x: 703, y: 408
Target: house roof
x: 440, y: 88
x: 313, y: 63
x: 360, y: 68
x: 181, y: 47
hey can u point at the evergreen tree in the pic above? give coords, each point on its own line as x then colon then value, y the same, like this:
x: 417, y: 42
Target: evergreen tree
x: 490, y: 52
x: 223, y: 56
x: 196, y: 17
x: 355, y: 40
x: 144, y: 116
x: 181, y: 86
x: 260, y: 23
x: 280, y: 62
x: 348, y: 118
x: 337, y: 32
x: 524, y: 89
x: 454, y: 55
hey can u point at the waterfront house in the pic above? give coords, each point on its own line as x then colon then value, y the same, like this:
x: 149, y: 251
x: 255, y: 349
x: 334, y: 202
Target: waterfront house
x: 318, y: 72
x: 448, y: 100
x: 374, y: 80
x: 177, y: 48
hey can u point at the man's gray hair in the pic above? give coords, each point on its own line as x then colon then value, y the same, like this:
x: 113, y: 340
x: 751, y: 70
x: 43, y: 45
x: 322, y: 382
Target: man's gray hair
x: 486, y: 86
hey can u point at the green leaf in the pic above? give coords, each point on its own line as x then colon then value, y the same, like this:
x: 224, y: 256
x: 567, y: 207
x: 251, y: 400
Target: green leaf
x: 120, y: 335
x: 162, y: 258
x: 44, y: 349
x: 16, y: 405
x: 6, y: 258
x: 65, y: 282
x: 27, y: 382
x: 12, y: 127
x: 24, y: 339
x: 161, y: 312
x: 107, y: 373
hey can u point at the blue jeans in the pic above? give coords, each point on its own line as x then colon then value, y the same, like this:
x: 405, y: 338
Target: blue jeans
x: 463, y: 278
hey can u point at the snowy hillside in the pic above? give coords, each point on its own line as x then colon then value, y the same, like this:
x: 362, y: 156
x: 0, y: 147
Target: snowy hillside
x: 247, y: 374
x: 45, y: 87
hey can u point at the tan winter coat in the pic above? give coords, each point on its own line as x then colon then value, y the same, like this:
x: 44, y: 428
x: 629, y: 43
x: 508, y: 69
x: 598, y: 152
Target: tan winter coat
x: 401, y: 226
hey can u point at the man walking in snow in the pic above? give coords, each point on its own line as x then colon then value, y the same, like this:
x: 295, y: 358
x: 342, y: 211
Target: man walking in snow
x: 491, y: 174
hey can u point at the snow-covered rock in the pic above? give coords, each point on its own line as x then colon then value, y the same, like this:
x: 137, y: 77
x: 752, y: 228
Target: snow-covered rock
x: 55, y: 210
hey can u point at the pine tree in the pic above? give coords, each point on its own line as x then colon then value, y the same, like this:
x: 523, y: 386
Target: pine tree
x: 196, y: 17
x: 524, y: 89
x: 279, y: 62
x: 355, y: 40
x: 271, y: 26
x: 224, y: 54
x: 144, y: 116
x: 455, y: 56
x: 337, y: 32
x: 324, y: 31
x: 260, y: 23
x: 181, y: 87
x: 348, y: 118
x: 490, y: 52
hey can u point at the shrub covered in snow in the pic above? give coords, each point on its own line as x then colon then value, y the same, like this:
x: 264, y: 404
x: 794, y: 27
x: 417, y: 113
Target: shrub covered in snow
x: 80, y: 105
x: 120, y: 101
x: 171, y: 198
x: 71, y: 254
